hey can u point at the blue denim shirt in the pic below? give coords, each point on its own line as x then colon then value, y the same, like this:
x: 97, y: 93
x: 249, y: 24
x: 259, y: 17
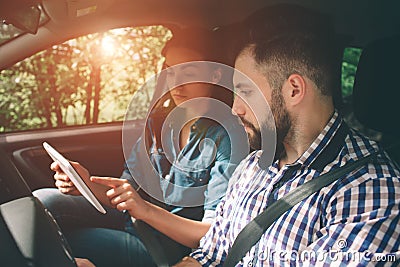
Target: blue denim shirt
x: 205, y: 162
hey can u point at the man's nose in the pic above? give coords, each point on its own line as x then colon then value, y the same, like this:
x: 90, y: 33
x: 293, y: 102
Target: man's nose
x: 238, y: 107
x: 175, y: 80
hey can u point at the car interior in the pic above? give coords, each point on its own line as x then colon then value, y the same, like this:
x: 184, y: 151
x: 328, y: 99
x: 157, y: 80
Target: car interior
x: 376, y: 108
x: 29, y: 236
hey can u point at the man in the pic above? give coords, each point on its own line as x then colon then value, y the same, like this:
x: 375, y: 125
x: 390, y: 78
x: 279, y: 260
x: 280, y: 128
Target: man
x: 290, y: 57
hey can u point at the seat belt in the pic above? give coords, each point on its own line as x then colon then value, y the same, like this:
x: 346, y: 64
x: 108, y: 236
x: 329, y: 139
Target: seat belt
x: 252, y: 232
x: 153, y: 246
x: 328, y: 155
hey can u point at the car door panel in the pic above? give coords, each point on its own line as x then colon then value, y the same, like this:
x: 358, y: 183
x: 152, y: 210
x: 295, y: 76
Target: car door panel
x: 98, y: 148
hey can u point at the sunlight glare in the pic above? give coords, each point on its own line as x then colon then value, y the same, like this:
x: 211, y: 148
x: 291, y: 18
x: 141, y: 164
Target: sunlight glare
x: 107, y: 45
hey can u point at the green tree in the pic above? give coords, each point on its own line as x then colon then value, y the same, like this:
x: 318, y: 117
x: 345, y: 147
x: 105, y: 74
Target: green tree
x: 89, y: 79
x: 351, y: 57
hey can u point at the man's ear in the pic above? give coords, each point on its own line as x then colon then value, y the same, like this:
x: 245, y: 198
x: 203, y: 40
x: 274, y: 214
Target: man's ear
x: 216, y: 76
x: 295, y: 89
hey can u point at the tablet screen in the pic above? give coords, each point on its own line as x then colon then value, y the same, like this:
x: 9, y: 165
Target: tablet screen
x: 69, y: 170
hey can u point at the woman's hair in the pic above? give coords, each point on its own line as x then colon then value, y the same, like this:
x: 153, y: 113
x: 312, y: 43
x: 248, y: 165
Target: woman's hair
x: 203, y: 41
x: 206, y: 43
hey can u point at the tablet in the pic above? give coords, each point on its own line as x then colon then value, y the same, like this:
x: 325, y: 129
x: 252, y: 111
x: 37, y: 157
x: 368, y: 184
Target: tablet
x: 80, y: 184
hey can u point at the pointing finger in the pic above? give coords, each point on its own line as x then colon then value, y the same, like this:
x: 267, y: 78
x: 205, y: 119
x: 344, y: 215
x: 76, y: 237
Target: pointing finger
x: 108, y: 181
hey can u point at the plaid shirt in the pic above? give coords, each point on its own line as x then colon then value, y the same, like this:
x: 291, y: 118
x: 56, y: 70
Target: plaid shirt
x: 352, y: 221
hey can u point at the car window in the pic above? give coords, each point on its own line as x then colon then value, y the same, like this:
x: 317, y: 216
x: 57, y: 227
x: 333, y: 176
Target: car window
x: 93, y: 78
x: 87, y: 80
x: 351, y: 56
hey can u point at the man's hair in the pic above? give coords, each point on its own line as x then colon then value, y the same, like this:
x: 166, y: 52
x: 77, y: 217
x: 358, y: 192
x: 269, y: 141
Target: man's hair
x: 289, y: 39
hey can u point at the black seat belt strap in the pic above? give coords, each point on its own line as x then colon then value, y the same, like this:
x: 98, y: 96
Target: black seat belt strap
x: 252, y: 232
x: 332, y: 149
x: 329, y: 153
x: 154, y: 248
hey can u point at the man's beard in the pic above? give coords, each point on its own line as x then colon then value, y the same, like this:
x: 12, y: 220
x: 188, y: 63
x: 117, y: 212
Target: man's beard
x: 254, y: 135
x: 283, y: 124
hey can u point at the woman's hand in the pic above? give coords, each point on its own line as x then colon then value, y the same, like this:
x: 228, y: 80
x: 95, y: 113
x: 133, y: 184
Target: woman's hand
x: 84, y: 263
x: 124, y: 197
x: 63, y: 182
x: 187, y: 262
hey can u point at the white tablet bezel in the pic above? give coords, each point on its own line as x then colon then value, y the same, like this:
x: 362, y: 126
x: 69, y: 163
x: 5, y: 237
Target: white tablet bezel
x: 69, y: 170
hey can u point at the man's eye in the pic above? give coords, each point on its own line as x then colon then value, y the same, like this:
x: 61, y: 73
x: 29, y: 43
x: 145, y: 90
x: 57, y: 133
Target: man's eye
x: 244, y: 92
x: 189, y: 74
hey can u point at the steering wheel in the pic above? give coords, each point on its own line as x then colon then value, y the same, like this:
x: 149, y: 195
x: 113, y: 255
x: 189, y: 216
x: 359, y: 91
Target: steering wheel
x: 29, y: 235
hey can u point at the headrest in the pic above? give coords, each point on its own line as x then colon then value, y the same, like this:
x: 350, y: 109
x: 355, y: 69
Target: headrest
x: 376, y: 93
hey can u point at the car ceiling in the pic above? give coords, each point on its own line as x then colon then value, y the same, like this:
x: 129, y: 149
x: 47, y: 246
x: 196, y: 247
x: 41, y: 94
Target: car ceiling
x: 360, y: 20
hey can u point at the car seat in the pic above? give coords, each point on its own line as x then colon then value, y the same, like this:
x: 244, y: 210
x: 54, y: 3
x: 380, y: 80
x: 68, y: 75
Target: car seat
x: 376, y: 92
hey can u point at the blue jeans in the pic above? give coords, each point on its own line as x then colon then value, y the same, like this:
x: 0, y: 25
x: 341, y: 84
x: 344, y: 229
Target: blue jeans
x: 104, y: 239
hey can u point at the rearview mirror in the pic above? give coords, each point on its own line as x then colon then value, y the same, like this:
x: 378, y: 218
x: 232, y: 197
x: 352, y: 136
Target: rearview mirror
x: 25, y: 18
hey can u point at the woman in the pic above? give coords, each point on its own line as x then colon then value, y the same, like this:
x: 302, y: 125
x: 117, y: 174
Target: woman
x: 197, y: 155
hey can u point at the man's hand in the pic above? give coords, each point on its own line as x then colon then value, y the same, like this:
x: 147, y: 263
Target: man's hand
x: 84, y: 263
x: 124, y: 197
x: 187, y: 262
x: 63, y: 182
